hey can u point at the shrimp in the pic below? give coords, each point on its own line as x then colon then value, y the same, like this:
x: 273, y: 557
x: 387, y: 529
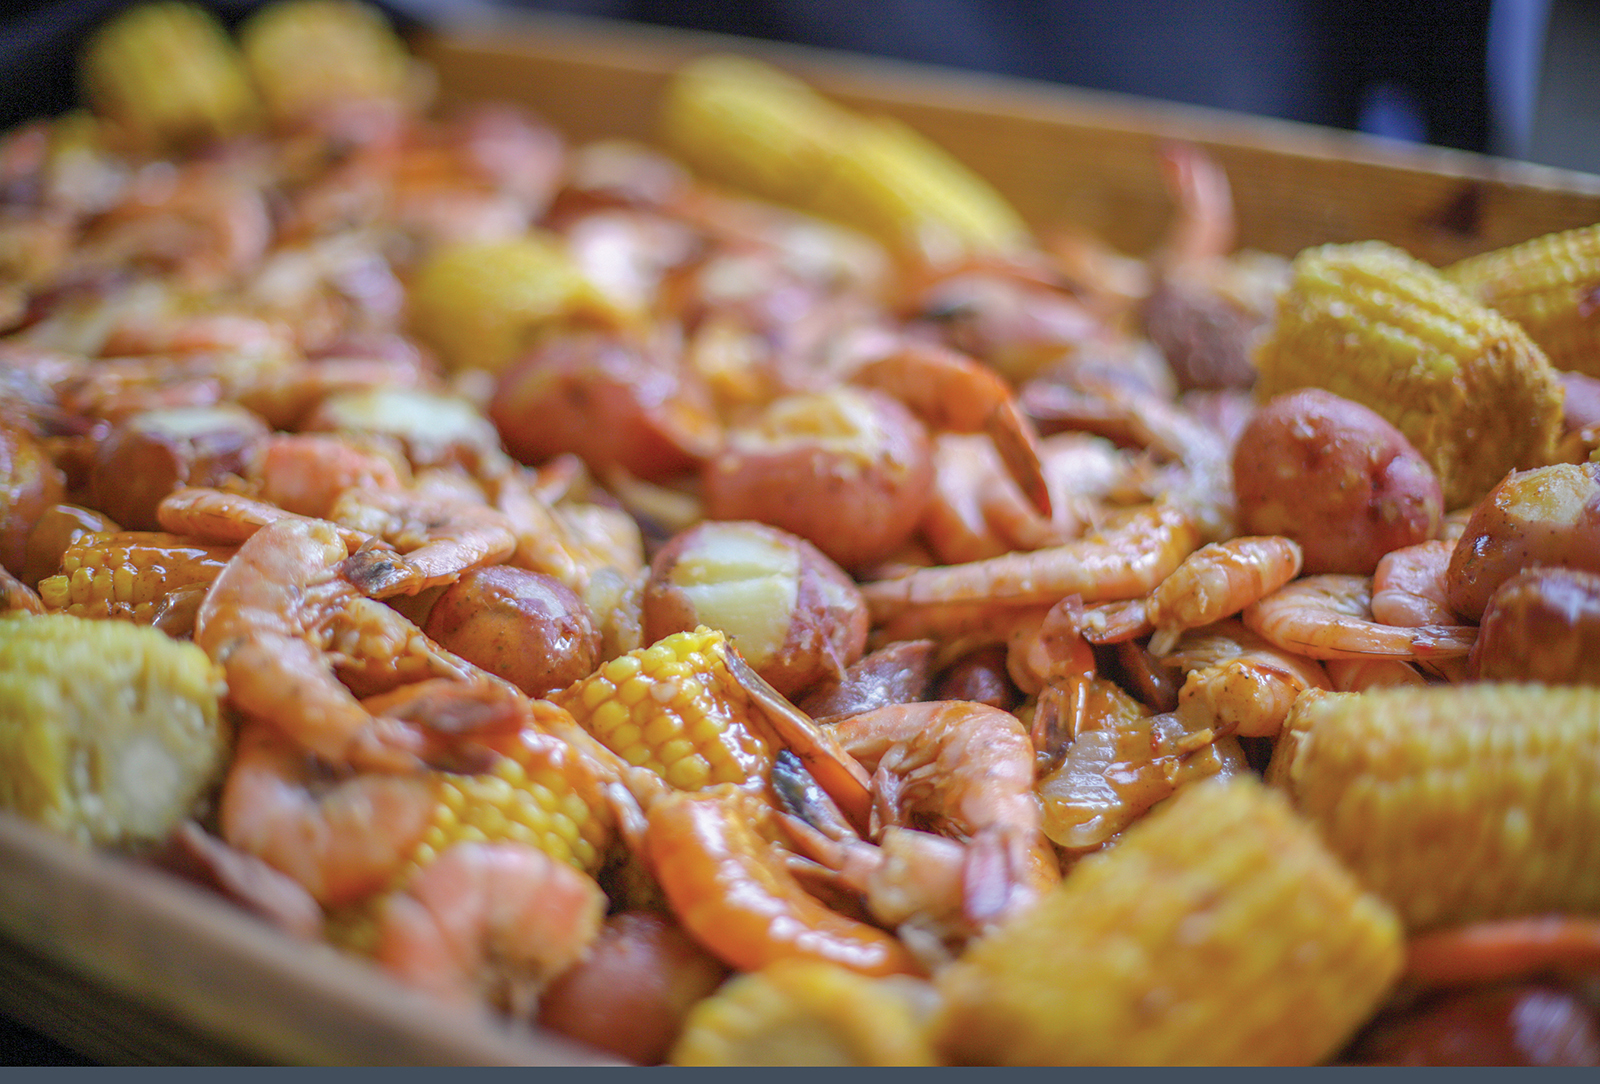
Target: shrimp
x: 966, y: 769
x: 733, y: 890
x: 269, y: 620
x: 1330, y: 617
x: 220, y: 517
x: 1127, y: 558
x: 950, y: 391
x: 1239, y: 682
x: 1408, y: 586
x: 975, y: 510
x: 1218, y: 580
x: 489, y: 922
x: 304, y: 473
x: 437, y: 538
x: 1500, y: 950
x: 339, y: 833
x: 17, y: 597
x: 1375, y: 672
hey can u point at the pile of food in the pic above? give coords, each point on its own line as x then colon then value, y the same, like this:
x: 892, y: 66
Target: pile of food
x: 751, y: 600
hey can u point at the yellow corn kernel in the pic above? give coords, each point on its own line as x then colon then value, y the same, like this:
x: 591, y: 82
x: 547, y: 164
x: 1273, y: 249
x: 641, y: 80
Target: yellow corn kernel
x: 1217, y: 931
x: 743, y: 122
x: 1550, y: 286
x: 539, y: 793
x: 167, y: 75
x: 806, y: 1012
x: 304, y: 54
x: 111, y: 733
x: 675, y: 708
x: 482, y: 304
x: 1454, y: 803
x: 126, y: 574
x: 1466, y: 386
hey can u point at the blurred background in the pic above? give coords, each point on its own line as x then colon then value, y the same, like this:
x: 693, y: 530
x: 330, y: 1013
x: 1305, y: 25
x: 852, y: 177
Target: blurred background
x: 1505, y: 77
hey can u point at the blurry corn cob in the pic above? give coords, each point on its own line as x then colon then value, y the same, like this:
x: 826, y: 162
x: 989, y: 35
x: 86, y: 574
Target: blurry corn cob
x: 481, y: 305
x: 167, y: 75
x: 110, y: 732
x: 127, y: 574
x: 1455, y: 804
x: 1465, y: 385
x: 673, y: 707
x: 539, y: 793
x: 304, y: 54
x: 1217, y: 931
x: 1550, y: 286
x: 806, y: 1012
x: 745, y: 123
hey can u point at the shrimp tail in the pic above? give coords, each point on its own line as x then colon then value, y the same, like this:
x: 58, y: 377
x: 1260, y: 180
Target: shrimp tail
x: 994, y: 877
x: 377, y: 571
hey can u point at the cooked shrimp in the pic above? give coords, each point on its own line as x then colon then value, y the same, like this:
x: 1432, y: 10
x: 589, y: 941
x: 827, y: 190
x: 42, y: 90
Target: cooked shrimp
x: 437, y: 538
x: 220, y: 517
x: 489, y: 923
x: 268, y: 621
x: 1128, y: 557
x: 1330, y: 617
x: 1408, y: 586
x: 339, y: 833
x: 1239, y: 682
x: 1377, y: 672
x: 950, y: 391
x: 304, y: 473
x: 732, y: 889
x: 1506, y: 949
x: 16, y: 596
x: 975, y: 510
x: 966, y: 769
x: 1218, y: 580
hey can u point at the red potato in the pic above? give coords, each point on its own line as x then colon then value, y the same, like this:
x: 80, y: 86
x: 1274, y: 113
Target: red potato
x: 433, y: 428
x: 849, y: 470
x: 150, y: 454
x: 794, y: 615
x: 612, y: 402
x: 1544, y: 516
x: 523, y: 626
x: 631, y: 994
x: 1335, y: 477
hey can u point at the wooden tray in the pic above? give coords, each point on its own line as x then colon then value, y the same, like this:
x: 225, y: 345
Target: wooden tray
x: 128, y: 965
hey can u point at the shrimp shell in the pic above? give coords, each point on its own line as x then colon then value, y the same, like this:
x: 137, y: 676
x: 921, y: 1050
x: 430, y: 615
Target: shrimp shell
x: 1330, y: 617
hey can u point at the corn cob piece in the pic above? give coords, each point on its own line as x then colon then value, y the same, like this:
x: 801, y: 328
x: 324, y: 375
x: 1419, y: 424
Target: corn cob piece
x: 304, y: 54
x: 538, y: 793
x: 111, y: 733
x: 127, y: 574
x: 1550, y: 286
x: 480, y: 305
x: 1217, y: 931
x: 1455, y: 803
x: 674, y: 707
x: 806, y: 1012
x: 167, y: 75
x: 1466, y: 386
x: 745, y: 123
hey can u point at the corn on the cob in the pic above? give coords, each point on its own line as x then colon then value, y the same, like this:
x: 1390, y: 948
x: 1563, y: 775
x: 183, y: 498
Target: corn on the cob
x: 743, y: 122
x: 167, y: 75
x: 308, y: 53
x: 1465, y: 385
x: 538, y: 793
x: 125, y: 574
x: 109, y: 732
x: 482, y: 304
x: 1455, y: 803
x: 1550, y: 286
x: 1217, y: 931
x: 806, y: 1012
x: 674, y: 707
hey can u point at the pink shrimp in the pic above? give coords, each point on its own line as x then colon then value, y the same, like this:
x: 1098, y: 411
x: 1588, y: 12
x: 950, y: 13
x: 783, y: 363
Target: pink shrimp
x: 1128, y: 557
x: 1330, y: 617
x: 271, y: 616
x: 304, y: 473
x: 1239, y: 682
x: 489, y: 922
x: 1408, y: 587
x: 437, y: 538
x: 218, y: 516
x: 1218, y: 580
